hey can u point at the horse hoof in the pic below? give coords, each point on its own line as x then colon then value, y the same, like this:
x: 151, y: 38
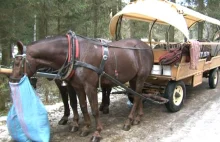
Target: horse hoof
x: 136, y: 122
x: 127, y: 127
x: 84, y: 133
x: 74, y: 129
x: 62, y: 122
x: 105, y: 111
x: 95, y: 139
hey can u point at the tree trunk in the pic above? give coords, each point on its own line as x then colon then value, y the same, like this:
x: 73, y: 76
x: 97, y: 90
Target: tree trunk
x: 132, y: 25
x: 3, y: 94
x: 119, y: 5
x: 171, y: 30
x: 6, y: 54
x: 200, y: 8
x: 2, y: 102
x: 58, y: 25
x: 58, y: 19
x: 95, y: 18
x: 42, y: 22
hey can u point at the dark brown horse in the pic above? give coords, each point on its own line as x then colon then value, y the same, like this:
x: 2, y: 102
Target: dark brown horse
x: 133, y: 64
x: 68, y: 93
x: 65, y: 92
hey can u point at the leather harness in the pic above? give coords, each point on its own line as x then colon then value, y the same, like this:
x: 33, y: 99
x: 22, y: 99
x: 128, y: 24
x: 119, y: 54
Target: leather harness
x: 73, y: 56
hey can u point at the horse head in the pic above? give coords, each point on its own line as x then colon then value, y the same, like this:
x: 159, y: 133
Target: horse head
x: 18, y: 64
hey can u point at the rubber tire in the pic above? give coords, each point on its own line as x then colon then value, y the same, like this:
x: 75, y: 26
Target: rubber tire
x: 169, y: 92
x: 212, y: 75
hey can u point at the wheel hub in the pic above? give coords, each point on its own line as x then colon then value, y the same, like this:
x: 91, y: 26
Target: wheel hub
x: 178, y: 95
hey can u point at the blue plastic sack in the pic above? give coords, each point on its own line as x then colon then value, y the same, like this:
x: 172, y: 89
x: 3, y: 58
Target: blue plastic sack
x: 14, y: 127
x: 30, y: 111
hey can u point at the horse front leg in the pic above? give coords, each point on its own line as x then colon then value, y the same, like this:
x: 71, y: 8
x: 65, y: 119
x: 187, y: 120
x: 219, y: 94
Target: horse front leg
x: 83, y: 105
x: 73, y: 103
x: 93, y: 99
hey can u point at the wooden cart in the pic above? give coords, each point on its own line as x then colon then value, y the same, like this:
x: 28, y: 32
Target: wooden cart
x: 170, y: 81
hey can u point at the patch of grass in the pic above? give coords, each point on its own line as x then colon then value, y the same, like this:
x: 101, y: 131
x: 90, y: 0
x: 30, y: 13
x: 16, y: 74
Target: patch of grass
x: 4, y: 112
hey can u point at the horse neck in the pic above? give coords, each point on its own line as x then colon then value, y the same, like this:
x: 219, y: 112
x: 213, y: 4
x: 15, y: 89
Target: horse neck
x: 47, y: 54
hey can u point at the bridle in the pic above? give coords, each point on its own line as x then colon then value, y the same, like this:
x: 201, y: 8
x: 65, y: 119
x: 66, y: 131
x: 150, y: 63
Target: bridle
x: 24, y: 65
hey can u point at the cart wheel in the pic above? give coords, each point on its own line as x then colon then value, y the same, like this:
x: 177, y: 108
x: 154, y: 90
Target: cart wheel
x: 175, y: 92
x: 213, y: 78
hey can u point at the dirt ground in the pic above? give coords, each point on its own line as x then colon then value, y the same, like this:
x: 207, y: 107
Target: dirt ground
x: 196, y: 121
x: 200, y: 112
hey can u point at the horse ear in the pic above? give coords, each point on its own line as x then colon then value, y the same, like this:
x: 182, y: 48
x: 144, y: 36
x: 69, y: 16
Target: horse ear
x: 20, y: 47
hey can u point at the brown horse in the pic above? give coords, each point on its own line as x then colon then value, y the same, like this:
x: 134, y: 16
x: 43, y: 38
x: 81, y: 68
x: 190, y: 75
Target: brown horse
x: 131, y: 61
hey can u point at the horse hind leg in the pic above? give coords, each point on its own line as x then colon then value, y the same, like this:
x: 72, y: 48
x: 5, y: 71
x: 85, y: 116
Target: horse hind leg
x: 104, y: 107
x: 64, y: 96
x: 137, y: 85
x: 107, y: 102
x: 103, y: 99
x: 139, y: 113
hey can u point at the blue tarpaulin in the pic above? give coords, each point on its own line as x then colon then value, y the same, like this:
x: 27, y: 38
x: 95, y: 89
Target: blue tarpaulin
x: 30, y: 112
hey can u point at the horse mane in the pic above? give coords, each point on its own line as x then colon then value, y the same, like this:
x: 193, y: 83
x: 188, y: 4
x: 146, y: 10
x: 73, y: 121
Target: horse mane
x: 48, y: 38
x: 51, y: 38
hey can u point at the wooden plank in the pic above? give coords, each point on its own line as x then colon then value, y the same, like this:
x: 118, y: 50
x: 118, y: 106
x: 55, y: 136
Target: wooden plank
x: 5, y: 71
x: 215, y: 62
x: 207, y: 66
x: 197, y: 79
x: 184, y: 71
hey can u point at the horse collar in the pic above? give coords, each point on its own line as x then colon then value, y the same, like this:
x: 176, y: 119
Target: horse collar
x: 73, y: 54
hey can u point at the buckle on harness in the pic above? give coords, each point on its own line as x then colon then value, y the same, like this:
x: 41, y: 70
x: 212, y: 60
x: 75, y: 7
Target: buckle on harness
x: 105, y: 57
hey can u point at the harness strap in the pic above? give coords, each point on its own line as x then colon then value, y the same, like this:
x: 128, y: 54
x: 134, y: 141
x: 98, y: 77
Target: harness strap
x: 99, y: 70
x: 104, y: 58
x: 88, y: 66
x: 116, y: 67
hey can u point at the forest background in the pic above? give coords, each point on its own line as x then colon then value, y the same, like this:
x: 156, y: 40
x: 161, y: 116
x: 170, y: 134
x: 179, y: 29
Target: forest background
x: 30, y: 20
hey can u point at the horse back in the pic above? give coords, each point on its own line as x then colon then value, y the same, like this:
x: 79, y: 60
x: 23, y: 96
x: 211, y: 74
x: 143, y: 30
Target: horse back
x: 128, y: 57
